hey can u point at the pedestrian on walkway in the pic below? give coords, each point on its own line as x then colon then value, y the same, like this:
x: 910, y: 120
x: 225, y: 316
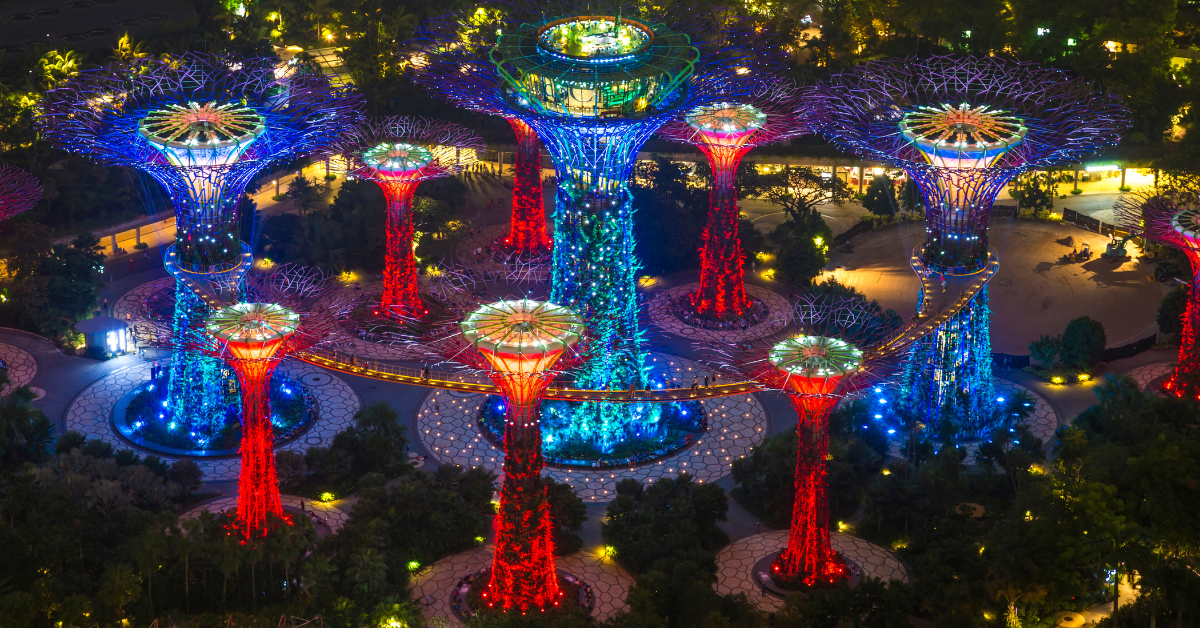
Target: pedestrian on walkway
x: 106, y: 305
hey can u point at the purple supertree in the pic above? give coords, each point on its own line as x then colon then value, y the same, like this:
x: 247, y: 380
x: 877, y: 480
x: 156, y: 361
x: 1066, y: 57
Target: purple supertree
x: 725, y: 131
x: 19, y: 191
x: 594, y: 83
x: 1170, y: 215
x: 833, y: 347
x: 961, y: 128
x: 398, y: 153
x: 203, y: 126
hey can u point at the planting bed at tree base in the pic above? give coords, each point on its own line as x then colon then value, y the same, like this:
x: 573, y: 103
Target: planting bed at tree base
x: 683, y: 310
x: 785, y: 587
x: 470, y: 596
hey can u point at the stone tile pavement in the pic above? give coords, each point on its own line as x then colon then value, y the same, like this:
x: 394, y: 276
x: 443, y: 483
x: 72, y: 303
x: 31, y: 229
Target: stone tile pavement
x: 22, y: 367
x: 1042, y: 421
x: 659, y: 310
x: 735, y: 563
x: 431, y: 586
x: 324, y: 513
x: 90, y: 413
x: 447, y: 428
x: 1147, y: 373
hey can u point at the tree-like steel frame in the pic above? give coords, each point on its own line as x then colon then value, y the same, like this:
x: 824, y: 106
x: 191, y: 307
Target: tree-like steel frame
x: 445, y: 149
x: 777, y: 114
x: 19, y: 191
x: 962, y: 128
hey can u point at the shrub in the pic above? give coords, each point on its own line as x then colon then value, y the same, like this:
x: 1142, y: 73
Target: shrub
x: 1082, y: 343
x: 1171, y: 310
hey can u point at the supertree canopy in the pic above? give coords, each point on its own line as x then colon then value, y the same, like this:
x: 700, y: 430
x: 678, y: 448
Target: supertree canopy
x: 594, y: 85
x: 836, y: 345
x: 1171, y: 216
x: 962, y: 128
x: 725, y: 132
x: 398, y: 153
x: 521, y: 341
x: 19, y: 191
x: 283, y: 312
x: 203, y: 126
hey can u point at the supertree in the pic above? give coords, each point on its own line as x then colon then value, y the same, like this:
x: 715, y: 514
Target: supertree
x: 834, y: 346
x: 527, y: 227
x: 594, y: 86
x: 282, y: 312
x: 202, y: 126
x: 19, y: 191
x: 398, y: 153
x: 725, y: 132
x: 1170, y: 215
x: 961, y: 128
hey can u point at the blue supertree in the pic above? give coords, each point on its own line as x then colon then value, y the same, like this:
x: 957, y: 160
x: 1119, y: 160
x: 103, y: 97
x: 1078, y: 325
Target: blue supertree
x: 203, y: 126
x: 594, y: 84
x: 961, y: 128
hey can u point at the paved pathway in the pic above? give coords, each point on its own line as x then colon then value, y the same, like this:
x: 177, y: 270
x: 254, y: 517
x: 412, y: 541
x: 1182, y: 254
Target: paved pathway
x: 328, y: 514
x: 22, y: 367
x: 1146, y: 374
x: 735, y: 564
x: 609, y: 582
x: 446, y: 427
x: 660, y: 313
x: 90, y: 413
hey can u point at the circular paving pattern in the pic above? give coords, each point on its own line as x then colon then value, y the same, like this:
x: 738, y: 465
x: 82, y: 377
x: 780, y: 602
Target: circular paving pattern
x: 1042, y: 421
x: 90, y: 413
x: 1146, y: 374
x: 128, y: 306
x: 735, y: 564
x: 447, y: 428
x: 22, y: 367
x: 660, y: 314
x: 327, y: 514
x: 431, y: 587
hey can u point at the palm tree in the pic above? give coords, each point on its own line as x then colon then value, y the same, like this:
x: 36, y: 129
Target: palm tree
x: 228, y: 558
x: 317, y: 11
x: 58, y: 67
x: 289, y: 544
x: 127, y: 50
x: 1013, y: 594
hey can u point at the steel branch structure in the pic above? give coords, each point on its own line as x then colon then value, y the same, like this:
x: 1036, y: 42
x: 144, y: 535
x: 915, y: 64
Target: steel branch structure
x: 203, y: 126
x: 594, y: 84
x: 833, y: 348
x: 1171, y: 216
x: 725, y: 132
x: 19, y: 191
x: 286, y: 311
x: 962, y: 128
x: 398, y: 153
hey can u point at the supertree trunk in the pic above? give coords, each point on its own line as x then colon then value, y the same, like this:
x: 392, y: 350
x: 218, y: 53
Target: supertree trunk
x: 527, y: 228
x: 523, y: 575
x: 1185, y: 379
x: 722, y: 262
x: 196, y: 388
x: 809, y: 558
x: 401, y: 296
x: 258, y: 484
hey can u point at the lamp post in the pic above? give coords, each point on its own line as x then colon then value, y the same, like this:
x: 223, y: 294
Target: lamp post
x: 521, y: 341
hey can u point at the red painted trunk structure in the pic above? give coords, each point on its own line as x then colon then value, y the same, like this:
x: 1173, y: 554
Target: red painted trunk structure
x: 527, y: 228
x: 722, y: 261
x: 523, y: 575
x: 1185, y: 379
x: 401, y: 296
x: 258, y: 484
x: 809, y: 558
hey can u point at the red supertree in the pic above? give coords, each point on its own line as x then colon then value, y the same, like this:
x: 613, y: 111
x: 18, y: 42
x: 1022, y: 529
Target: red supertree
x: 19, y: 191
x: 1170, y: 215
x: 398, y: 153
x: 834, y: 347
x: 527, y: 227
x: 521, y: 345
x: 725, y: 132
x: 286, y: 311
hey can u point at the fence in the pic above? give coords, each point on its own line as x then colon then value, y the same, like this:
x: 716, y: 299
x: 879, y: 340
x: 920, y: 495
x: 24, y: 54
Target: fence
x: 1001, y: 361
x: 1091, y: 224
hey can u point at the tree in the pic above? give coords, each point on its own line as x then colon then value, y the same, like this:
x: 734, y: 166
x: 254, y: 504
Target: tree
x: 128, y: 51
x: 1045, y: 350
x: 1082, y: 343
x: 801, y: 248
x: 568, y: 512
x: 187, y: 474
x: 799, y: 190
x: 881, y: 197
x: 910, y: 196
x: 54, y: 286
x: 668, y: 227
x: 304, y: 192
x: 57, y: 67
x: 1171, y: 310
x: 1035, y: 191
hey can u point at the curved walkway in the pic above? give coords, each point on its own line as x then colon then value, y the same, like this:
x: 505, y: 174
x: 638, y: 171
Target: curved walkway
x: 735, y: 564
x: 1146, y: 374
x: 22, y: 367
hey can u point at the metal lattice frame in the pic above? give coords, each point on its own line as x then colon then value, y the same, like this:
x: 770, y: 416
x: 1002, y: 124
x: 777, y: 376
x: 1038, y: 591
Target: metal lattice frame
x: 593, y: 266
x: 774, y: 113
x: 962, y: 128
x: 19, y: 191
x: 445, y: 149
x: 1171, y: 216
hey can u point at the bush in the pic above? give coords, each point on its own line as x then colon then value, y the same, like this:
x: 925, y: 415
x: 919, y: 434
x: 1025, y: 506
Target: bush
x: 376, y: 444
x: 568, y: 513
x: 1172, y: 309
x: 141, y: 246
x: 880, y: 198
x: 1082, y: 343
x: 1076, y: 191
x: 1045, y: 349
x: 667, y: 521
